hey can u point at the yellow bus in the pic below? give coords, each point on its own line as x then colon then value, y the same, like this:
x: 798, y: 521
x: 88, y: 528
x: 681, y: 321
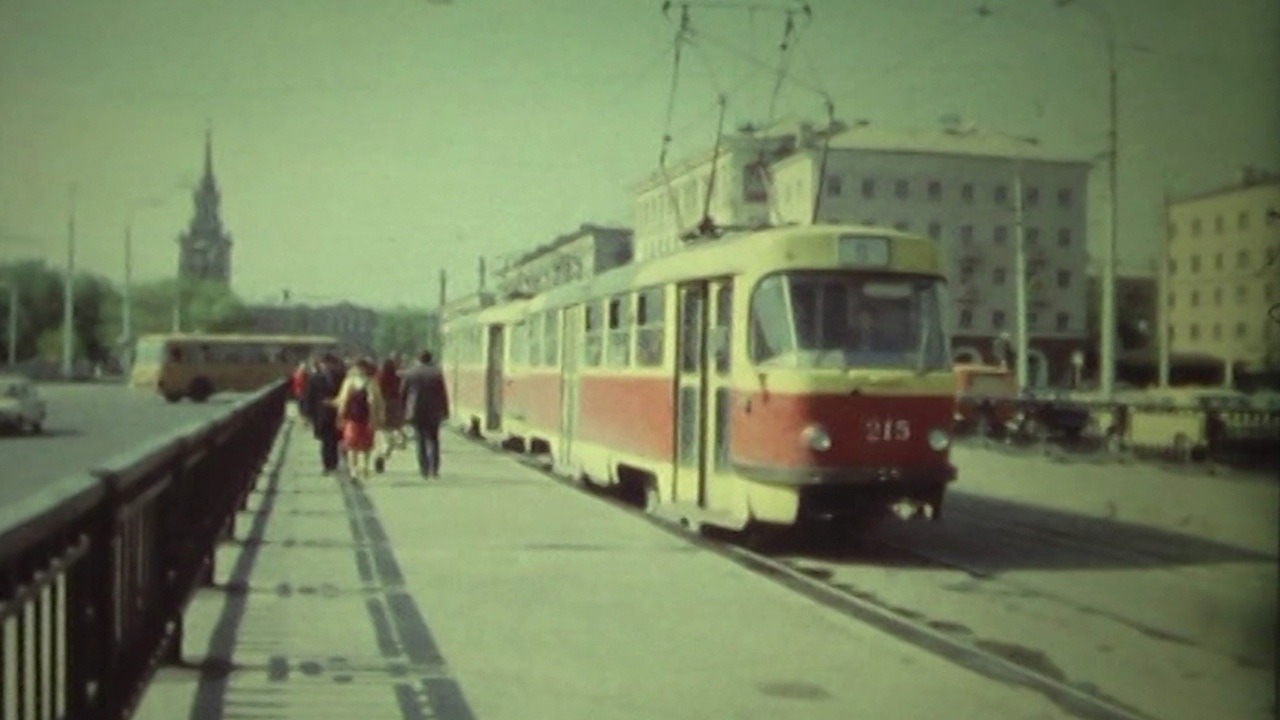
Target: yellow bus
x: 199, y: 365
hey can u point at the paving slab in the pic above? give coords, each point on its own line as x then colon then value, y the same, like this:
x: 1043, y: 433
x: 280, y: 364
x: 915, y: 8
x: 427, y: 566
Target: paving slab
x: 494, y: 592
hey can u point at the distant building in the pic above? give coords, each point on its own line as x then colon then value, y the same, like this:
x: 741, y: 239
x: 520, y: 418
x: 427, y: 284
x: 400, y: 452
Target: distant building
x: 354, y: 326
x: 204, y: 251
x: 587, y: 251
x: 1223, y: 265
x: 664, y: 213
x: 955, y: 186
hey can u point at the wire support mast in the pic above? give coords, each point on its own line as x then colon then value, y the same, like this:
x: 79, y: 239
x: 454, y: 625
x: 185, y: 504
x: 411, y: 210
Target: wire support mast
x: 822, y: 166
x: 681, y: 39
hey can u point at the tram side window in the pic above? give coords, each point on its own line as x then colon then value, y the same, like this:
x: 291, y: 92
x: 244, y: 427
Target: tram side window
x: 620, y: 331
x: 520, y: 345
x: 535, y: 341
x: 551, y: 338
x: 593, y: 346
x: 720, y: 332
x: 650, y: 328
x: 770, y: 325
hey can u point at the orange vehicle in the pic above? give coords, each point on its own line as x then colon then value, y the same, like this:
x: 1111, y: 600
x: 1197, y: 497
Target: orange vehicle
x: 985, y: 398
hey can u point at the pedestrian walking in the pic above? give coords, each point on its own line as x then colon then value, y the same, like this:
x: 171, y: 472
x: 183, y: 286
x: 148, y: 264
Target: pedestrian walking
x: 360, y: 411
x: 392, y: 437
x: 426, y: 405
x: 320, y: 391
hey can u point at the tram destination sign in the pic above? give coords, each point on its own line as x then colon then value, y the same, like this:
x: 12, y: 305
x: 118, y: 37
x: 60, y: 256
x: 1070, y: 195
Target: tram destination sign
x: 863, y: 251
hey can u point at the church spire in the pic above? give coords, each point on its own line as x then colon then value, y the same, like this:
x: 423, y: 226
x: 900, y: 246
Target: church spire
x: 208, y: 152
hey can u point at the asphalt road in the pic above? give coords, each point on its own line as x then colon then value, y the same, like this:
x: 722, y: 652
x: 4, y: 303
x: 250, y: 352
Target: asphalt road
x: 87, y: 424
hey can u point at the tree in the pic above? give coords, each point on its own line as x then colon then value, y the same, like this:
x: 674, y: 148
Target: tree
x: 406, y: 331
x: 205, y: 306
x: 40, y: 296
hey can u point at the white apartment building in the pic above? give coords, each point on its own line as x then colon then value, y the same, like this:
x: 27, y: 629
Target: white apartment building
x: 956, y: 187
x: 587, y: 251
x: 664, y: 212
x: 1223, y: 272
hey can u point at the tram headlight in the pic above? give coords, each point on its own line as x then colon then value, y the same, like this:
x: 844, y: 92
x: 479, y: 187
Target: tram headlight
x: 939, y: 440
x: 815, y: 437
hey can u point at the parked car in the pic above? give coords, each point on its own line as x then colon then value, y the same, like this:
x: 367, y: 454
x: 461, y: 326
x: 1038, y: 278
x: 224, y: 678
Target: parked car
x: 21, y: 407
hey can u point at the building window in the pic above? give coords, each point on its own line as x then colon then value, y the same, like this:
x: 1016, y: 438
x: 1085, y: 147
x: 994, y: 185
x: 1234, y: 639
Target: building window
x: 1242, y: 222
x: 1218, y: 225
x: 1195, y: 263
x: 1195, y: 331
x: 1001, y: 194
x: 1217, y: 331
x: 966, y: 318
x: 1195, y: 298
x: 1173, y: 230
x: 1195, y: 227
x: 1033, y: 320
x: 868, y: 188
x: 1173, y: 266
x: 1064, y: 237
x: 1242, y: 331
x: 966, y: 192
x: 901, y: 189
x: 935, y: 230
x: 1217, y: 261
x: 1064, y: 197
x: 1063, y: 322
x: 1064, y: 278
x: 1032, y: 197
x: 901, y: 226
x: 998, y: 276
x: 1242, y: 294
x: 1171, y: 333
x: 997, y: 319
x: 1217, y: 296
x: 1001, y: 234
x: 834, y: 186
x: 966, y: 234
x: 1242, y: 260
x: 1171, y: 297
x: 1033, y: 236
x: 935, y: 190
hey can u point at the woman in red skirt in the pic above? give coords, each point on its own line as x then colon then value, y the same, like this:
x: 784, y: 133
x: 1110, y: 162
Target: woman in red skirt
x: 360, y: 414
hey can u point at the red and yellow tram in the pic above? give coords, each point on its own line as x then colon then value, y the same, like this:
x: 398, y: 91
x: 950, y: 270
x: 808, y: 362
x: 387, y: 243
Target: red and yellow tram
x: 770, y: 378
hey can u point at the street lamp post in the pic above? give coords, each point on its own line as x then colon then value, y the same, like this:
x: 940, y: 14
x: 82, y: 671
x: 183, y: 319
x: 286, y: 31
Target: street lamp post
x: 13, y: 322
x: 1107, y: 329
x: 1022, y: 336
x: 68, y: 295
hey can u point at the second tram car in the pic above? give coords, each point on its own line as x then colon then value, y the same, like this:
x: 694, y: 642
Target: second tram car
x: 770, y: 378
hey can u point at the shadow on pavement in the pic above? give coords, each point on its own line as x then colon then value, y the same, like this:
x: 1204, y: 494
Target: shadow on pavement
x: 996, y: 535
x: 411, y: 666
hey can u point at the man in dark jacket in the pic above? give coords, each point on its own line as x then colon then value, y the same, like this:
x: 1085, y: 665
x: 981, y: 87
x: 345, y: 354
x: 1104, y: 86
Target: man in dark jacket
x: 321, y: 388
x: 426, y: 404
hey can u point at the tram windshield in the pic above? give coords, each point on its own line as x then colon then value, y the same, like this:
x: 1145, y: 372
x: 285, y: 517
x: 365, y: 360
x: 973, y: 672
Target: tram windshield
x: 848, y: 320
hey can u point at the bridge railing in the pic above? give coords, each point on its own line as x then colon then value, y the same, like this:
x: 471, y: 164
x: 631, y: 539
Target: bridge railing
x: 1172, y: 432
x: 96, y: 569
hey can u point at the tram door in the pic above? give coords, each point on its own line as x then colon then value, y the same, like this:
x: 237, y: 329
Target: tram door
x: 691, y: 392
x: 493, y: 379
x: 716, y: 399
x: 570, y: 355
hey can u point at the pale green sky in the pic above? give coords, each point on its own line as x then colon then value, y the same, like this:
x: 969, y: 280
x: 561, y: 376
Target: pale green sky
x: 361, y: 145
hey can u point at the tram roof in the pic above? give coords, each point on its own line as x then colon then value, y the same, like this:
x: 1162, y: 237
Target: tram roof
x: 719, y: 257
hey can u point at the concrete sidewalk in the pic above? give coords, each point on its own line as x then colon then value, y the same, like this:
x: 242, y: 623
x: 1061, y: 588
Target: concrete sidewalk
x: 1237, y: 509
x: 497, y: 593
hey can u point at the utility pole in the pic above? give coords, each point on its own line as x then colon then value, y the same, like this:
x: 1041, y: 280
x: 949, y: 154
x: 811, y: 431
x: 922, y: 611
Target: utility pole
x: 1107, y: 367
x: 1162, y: 295
x: 126, y: 293
x: 13, y: 322
x: 1022, y: 335
x: 444, y: 295
x: 482, y: 274
x: 68, y: 294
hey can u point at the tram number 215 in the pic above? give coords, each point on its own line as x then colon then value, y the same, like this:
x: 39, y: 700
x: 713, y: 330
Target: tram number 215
x: 888, y: 430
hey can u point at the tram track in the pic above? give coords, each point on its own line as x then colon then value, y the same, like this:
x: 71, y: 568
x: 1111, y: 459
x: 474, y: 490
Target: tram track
x: 816, y: 579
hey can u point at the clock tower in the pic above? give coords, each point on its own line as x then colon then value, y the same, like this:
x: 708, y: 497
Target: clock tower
x: 205, y: 248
